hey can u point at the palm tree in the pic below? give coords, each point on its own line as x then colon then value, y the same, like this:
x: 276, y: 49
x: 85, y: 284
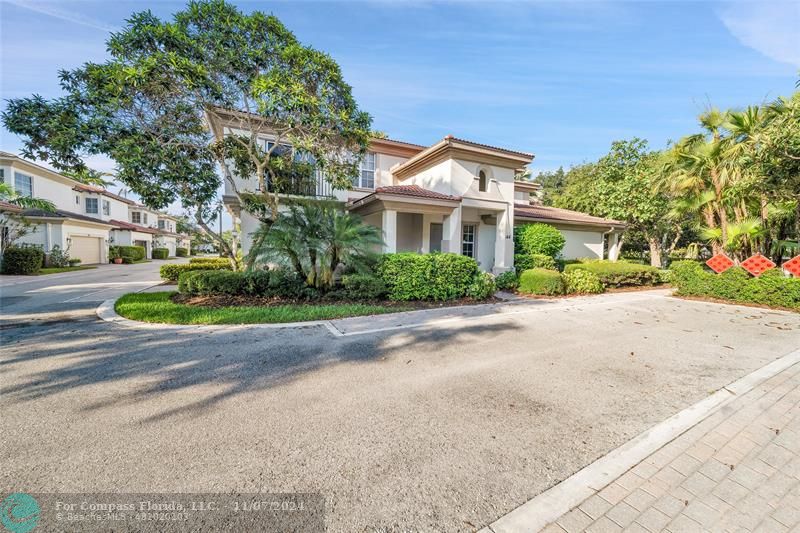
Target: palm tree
x: 7, y: 194
x: 314, y: 240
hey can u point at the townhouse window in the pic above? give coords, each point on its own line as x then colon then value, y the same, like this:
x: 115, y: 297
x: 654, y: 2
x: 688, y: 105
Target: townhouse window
x: 483, y: 182
x: 468, y: 240
x: 136, y: 217
x: 366, y: 173
x: 91, y: 206
x: 144, y: 218
x: 106, y: 207
x: 2, y: 175
x: 161, y: 224
x: 77, y: 199
x: 23, y: 184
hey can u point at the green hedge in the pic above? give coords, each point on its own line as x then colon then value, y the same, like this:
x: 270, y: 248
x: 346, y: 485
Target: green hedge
x: 482, y: 287
x: 435, y: 276
x: 582, y: 282
x: 173, y: 272
x: 507, y: 281
x: 541, y: 281
x: 265, y: 283
x: 364, y: 287
x: 735, y: 284
x: 523, y: 262
x: 135, y: 253
x: 539, y: 238
x: 160, y: 253
x: 220, y: 260
x: 22, y: 260
x: 181, y: 252
x: 618, y: 273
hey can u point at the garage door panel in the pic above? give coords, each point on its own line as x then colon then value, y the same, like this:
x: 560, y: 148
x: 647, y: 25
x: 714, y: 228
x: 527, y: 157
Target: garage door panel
x: 87, y: 249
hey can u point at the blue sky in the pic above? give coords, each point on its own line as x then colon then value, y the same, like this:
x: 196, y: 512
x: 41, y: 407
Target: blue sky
x: 559, y: 79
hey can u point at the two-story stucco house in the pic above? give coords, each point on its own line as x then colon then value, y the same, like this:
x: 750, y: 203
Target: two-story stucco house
x: 454, y: 196
x: 87, y: 218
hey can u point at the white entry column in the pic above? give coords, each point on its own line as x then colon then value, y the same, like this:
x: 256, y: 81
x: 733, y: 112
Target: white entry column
x: 503, y: 243
x: 451, y: 232
x: 613, y: 246
x: 389, y: 226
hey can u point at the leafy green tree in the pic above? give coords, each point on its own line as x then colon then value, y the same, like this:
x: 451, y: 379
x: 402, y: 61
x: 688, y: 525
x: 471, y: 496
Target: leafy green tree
x: 160, y: 104
x: 314, y: 240
x: 553, y: 183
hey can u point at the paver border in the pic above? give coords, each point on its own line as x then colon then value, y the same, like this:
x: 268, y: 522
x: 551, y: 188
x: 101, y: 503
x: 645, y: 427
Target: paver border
x: 548, y: 506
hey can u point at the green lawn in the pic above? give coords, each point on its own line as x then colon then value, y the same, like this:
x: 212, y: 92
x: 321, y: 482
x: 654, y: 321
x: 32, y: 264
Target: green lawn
x: 57, y: 270
x: 157, y: 307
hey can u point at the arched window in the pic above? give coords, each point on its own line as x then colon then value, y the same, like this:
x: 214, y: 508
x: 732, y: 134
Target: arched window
x: 482, y: 181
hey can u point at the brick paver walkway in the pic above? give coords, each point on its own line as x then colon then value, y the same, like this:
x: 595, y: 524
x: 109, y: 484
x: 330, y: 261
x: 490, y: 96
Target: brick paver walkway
x: 737, y: 470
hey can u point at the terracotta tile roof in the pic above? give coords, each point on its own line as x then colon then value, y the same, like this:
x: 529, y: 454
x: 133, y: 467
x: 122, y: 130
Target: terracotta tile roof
x: 119, y: 224
x: 415, y: 191
x: 489, y: 146
x: 100, y: 190
x: 541, y: 212
x: 6, y: 206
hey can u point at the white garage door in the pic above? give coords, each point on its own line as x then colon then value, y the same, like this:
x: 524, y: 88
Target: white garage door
x: 171, y: 248
x: 87, y: 249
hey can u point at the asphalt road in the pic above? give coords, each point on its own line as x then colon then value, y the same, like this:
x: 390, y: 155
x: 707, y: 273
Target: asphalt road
x: 72, y: 294
x: 444, y: 427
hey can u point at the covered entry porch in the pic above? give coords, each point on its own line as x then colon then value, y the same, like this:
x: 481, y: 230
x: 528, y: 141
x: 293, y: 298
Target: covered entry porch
x: 417, y: 220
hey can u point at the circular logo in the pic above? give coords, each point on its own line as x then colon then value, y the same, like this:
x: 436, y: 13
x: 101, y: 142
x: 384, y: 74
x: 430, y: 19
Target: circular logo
x: 20, y: 513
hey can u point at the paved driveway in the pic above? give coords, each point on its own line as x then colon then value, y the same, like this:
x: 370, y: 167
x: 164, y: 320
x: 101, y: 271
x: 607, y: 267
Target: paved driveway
x: 72, y: 294
x: 444, y: 427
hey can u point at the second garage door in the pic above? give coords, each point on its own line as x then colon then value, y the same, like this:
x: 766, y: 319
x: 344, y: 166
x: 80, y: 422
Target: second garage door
x: 87, y: 249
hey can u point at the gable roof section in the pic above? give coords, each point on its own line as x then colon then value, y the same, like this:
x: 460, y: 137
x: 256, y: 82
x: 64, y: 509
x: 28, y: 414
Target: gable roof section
x: 82, y: 187
x: 63, y: 215
x: 120, y: 224
x: 454, y: 148
x: 410, y: 192
x: 541, y: 213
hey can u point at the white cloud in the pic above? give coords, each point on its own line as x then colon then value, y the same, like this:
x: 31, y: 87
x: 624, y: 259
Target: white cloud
x: 73, y: 16
x: 771, y: 28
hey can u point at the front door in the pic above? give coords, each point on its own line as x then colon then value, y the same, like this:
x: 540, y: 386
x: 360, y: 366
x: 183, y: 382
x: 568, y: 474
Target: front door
x: 436, y: 237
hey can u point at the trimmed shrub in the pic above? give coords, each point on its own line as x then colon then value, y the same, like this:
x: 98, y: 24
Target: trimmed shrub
x: 507, y: 281
x: 160, y: 253
x: 541, y: 281
x: 523, y: 262
x: 57, y: 257
x: 735, y: 284
x: 266, y: 283
x: 363, y: 287
x: 436, y: 276
x: 618, y: 273
x: 539, y: 239
x: 198, y: 260
x: 173, y: 272
x: 74, y: 261
x: 135, y: 253
x: 181, y: 252
x: 582, y: 282
x: 483, y: 286
x: 22, y: 260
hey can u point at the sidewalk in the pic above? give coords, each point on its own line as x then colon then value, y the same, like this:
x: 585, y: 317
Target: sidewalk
x: 737, y: 470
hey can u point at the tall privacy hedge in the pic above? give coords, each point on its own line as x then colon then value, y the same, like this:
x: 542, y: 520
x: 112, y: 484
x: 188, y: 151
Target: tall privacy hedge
x: 436, y: 276
x: 772, y: 288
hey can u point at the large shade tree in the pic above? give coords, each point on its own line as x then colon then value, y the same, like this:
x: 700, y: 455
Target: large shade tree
x: 151, y: 107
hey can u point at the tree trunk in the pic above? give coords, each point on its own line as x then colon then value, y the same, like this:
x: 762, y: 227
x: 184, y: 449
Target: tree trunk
x: 655, y: 252
x: 223, y: 246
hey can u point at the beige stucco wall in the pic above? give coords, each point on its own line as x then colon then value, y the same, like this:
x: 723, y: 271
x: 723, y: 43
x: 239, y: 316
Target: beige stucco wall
x: 582, y: 243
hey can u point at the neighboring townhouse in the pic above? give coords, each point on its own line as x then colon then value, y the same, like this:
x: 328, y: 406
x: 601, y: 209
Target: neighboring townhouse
x: 87, y: 218
x: 454, y: 196
x: 167, y: 236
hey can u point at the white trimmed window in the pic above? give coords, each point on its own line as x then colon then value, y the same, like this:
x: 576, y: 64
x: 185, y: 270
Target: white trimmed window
x: 483, y: 181
x: 162, y: 224
x: 144, y: 218
x: 23, y: 184
x: 468, y: 240
x: 366, y: 172
x: 106, y: 207
x: 91, y: 206
x: 136, y: 217
x: 77, y: 199
x: 2, y: 175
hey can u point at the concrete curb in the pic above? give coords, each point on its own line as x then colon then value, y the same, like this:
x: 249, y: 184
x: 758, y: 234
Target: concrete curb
x: 560, y: 499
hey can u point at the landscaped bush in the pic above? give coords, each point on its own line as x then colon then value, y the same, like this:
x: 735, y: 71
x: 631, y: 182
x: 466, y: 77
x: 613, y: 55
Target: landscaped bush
x: 363, y: 287
x: 539, y: 239
x: 582, y: 282
x: 197, y: 260
x: 735, y: 284
x: 57, y: 258
x: 266, y: 283
x: 507, y: 281
x: 523, y: 262
x: 74, y: 261
x: 160, y: 253
x: 483, y: 286
x: 22, y: 260
x: 172, y: 272
x: 135, y: 253
x: 436, y: 276
x: 541, y: 281
x: 181, y: 252
x: 618, y: 273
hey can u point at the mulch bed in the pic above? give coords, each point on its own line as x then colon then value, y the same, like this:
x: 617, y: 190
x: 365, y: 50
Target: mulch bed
x: 224, y: 300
